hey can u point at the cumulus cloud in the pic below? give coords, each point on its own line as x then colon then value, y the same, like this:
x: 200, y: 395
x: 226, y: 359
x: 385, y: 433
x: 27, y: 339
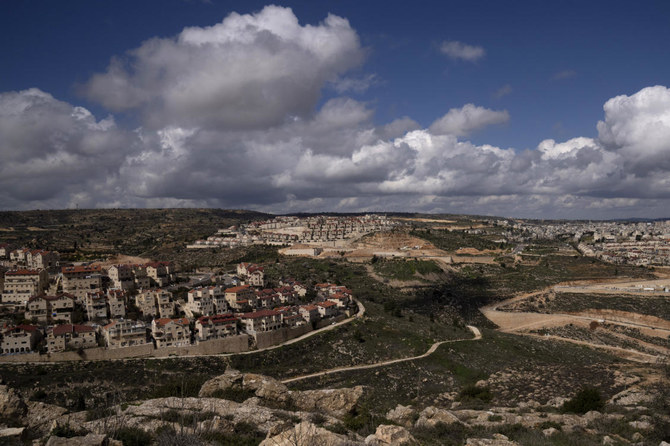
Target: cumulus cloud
x: 463, y: 121
x: 638, y: 128
x: 249, y: 71
x: 51, y: 150
x: 209, y: 136
x: 462, y: 51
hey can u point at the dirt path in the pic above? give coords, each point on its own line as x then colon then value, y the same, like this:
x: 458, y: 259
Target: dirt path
x: 521, y: 322
x: 430, y: 351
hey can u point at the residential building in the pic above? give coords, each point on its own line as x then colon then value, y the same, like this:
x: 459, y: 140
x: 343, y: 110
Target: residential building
x: 95, y: 305
x: 20, y: 285
x: 171, y: 332
x: 160, y: 273
x: 241, y: 298
x: 81, y: 279
x: 116, y: 303
x: 215, y: 327
x: 327, y: 308
x: 125, y: 333
x: 20, y: 339
x: 121, y: 277
x: 262, y: 320
x: 49, y: 309
x: 155, y: 303
x: 253, y: 274
x: 309, y: 312
x: 70, y: 337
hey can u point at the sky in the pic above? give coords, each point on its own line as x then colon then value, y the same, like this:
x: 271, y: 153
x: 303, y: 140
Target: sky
x: 511, y: 108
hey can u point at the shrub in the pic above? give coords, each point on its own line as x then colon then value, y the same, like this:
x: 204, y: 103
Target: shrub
x: 476, y: 393
x: 64, y: 431
x: 133, y: 436
x: 587, y: 399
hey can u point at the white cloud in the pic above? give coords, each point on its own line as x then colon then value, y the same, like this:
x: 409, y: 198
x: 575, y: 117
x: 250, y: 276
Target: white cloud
x: 462, y: 51
x: 249, y: 71
x: 230, y: 119
x: 565, y: 74
x: 638, y: 128
x: 503, y: 91
x: 463, y: 121
x: 50, y: 149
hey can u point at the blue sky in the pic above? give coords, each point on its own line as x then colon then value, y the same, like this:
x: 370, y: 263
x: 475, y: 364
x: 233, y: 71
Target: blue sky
x: 551, y: 66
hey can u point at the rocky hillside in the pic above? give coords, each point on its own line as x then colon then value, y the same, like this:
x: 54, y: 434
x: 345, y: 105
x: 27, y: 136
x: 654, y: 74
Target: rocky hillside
x: 270, y: 414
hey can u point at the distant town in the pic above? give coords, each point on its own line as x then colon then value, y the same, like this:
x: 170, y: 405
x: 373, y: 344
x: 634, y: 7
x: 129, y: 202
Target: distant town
x: 50, y: 307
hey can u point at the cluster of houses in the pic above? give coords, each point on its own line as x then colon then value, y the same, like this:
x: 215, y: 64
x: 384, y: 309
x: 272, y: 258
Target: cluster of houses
x: 290, y: 230
x: 132, y: 305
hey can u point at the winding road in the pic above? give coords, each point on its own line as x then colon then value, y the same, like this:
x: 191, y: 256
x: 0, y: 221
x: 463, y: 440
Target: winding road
x: 430, y: 351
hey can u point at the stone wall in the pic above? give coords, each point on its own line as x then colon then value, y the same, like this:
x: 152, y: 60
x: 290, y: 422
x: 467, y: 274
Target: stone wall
x: 232, y: 344
x: 269, y: 338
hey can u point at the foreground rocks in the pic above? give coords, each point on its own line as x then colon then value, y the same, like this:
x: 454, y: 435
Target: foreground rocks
x: 315, y: 417
x: 307, y: 434
x: 335, y: 402
x: 11, y: 404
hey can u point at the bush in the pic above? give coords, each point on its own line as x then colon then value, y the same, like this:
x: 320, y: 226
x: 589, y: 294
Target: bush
x: 475, y: 393
x: 64, y: 431
x: 133, y: 436
x: 587, y: 399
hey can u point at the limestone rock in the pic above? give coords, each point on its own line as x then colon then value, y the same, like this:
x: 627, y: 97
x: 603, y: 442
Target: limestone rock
x: 41, y: 415
x: 231, y: 379
x: 88, y: 440
x: 307, y: 434
x: 549, y: 431
x: 11, y: 435
x: 11, y: 404
x: 642, y: 425
x: 431, y: 416
x: 337, y: 402
x: 387, y: 435
x: 631, y: 397
x: 266, y: 388
x: 403, y: 415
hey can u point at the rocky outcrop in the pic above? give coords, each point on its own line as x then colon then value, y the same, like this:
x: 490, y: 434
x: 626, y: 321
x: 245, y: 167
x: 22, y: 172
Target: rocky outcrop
x: 40, y: 416
x: 390, y: 435
x: 231, y: 379
x: 431, y: 416
x: 403, y: 415
x: 336, y: 402
x: 307, y: 434
x: 11, y: 403
x: 266, y: 388
x: 497, y: 440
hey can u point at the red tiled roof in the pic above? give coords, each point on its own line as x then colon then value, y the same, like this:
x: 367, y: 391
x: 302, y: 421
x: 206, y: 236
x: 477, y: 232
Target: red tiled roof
x: 22, y: 272
x: 166, y: 320
x: 237, y: 289
x: 69, y: 328
x: 82, y: 269
x: 259, y: 314
x: 217, y: 319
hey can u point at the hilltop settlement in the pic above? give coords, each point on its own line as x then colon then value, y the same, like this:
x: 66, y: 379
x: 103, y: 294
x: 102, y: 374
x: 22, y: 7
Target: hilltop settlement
x: 50, y: 308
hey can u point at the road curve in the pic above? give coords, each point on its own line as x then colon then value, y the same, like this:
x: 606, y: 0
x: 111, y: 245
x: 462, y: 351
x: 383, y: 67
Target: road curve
x: 430, y: 351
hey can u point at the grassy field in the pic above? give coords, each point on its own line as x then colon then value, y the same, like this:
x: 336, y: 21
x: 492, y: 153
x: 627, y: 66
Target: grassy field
x: 406, y: 270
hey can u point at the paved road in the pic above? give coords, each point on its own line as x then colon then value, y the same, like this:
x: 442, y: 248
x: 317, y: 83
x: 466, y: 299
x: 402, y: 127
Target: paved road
x: 431, y: 350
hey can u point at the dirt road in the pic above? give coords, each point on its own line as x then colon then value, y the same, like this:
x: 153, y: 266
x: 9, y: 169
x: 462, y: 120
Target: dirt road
x: 430, y: 351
